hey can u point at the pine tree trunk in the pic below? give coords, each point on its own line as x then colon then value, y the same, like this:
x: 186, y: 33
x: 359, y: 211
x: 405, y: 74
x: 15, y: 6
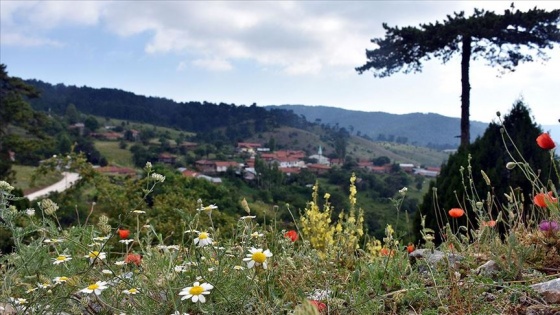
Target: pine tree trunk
x: 465, y: 91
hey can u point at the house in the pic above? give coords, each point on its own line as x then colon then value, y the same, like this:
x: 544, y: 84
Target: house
x: 222, y: 166
x: 205, y: 166
x: 214, y: 180
x: 249, y: 173
x: 167, y: 158
x: 290, y: 170
x: 318, y: 168
x: 407, y: 168
x: 381, y: 169
x: 189, y: 173
x: 188, y: 145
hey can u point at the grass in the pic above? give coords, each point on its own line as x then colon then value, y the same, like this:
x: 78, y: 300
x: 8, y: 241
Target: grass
x: 24, y: 179
x: 114, y: 154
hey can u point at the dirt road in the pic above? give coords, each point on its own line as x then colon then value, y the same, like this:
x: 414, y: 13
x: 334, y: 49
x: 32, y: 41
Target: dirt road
x: 68, y: 180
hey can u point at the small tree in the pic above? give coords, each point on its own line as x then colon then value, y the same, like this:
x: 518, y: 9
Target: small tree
x: 503, y: 40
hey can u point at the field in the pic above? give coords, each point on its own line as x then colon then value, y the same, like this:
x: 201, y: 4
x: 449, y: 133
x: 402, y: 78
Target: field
x: 24, y: 179
x: 114, y: 155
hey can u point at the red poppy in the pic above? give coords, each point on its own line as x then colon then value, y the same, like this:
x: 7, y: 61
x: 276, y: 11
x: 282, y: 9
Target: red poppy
x: 319, y: 305
x: 545, y: 141
x: 410, y: 248
x: 386, y: 252
x: 456, y: 212
x: 490, y: 223
x: 133, y: 258
x: 124, y: 234
x: 541, y: 199
x: 291, y: 234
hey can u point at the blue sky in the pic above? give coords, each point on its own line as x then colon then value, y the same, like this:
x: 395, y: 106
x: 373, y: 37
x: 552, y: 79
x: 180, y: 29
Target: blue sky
x: 269, y: 53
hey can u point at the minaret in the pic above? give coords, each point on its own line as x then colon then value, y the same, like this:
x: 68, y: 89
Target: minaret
x: 320, y: 152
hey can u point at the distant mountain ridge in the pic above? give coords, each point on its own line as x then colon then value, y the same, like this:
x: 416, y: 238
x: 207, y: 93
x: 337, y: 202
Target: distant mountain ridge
x: 430, y: 130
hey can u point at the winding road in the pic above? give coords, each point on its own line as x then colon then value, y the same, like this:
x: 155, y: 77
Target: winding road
x: 68, y: 180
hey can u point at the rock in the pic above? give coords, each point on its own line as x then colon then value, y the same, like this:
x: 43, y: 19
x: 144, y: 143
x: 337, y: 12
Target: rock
x: 435, y: 257
x: 550, y: 290
x: 489, y: 269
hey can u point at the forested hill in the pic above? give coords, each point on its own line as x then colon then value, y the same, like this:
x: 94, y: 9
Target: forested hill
x: 190, y: 116
x: 431, y: 130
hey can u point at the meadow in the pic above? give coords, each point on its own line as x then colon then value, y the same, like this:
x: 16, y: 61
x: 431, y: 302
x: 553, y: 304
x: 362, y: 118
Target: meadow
x: 325, y: 264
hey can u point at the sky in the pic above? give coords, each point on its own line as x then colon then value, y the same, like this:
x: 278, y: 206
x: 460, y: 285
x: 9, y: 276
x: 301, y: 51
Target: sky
x: 263, y: 52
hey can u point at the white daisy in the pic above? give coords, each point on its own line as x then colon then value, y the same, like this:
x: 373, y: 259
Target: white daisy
x: 60, y: 280
x: 203, y: 239
x: 96, y: 288
x: 132, y: 291
x: 61, y: 259
x: 197, y: 292
x: 257, y: 257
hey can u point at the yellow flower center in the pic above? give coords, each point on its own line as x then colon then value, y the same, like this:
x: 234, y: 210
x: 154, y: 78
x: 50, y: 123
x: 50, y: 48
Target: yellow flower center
x: 203, y: 236
x: 132, y: 291
x: 94, y: 254
x: 61, y: 258
x: 93, y: 286
x: 196, y: 290
x: 259, y: 257
x: 63, y: 279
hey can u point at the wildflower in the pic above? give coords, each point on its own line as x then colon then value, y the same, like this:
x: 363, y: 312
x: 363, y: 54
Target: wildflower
x: 138, y: 211
x: 148, y: 165
x: 257, y: 257
x: 291, y: 234
x: 158, y: 177
x: 456, y: 212
x: 95, y: 255
x: 403, y: 191
x: 132, y: 291
x: 247, y: 218
x: 386, y: 252
x: 120, y: 263
x: 5, y: 186
x: 180, y: 268
x: 256, y: 234
x: 327, y: 196
x: 238, y: 267
x: 133, y: 259
x: 43, y: 285
x: 61, y: 259
x: 548, y: 226
x: 320, y: 306
x: 545, y: 141
x: 48, y: 206
x: 96, y: 288
x: 128, y: 241
x: 197, y: 292
x: 101, y: 238
x: 410, y: 248
x: 541, y: 199
x: 60, y: 280
x: 490, y: 223
x: 208, y: 209
x: 123, y: 234
x: 511, y: 165
x: 30, y: 212
x: 245, y: 206
x: 203, y: 239
x: 106, y: 272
